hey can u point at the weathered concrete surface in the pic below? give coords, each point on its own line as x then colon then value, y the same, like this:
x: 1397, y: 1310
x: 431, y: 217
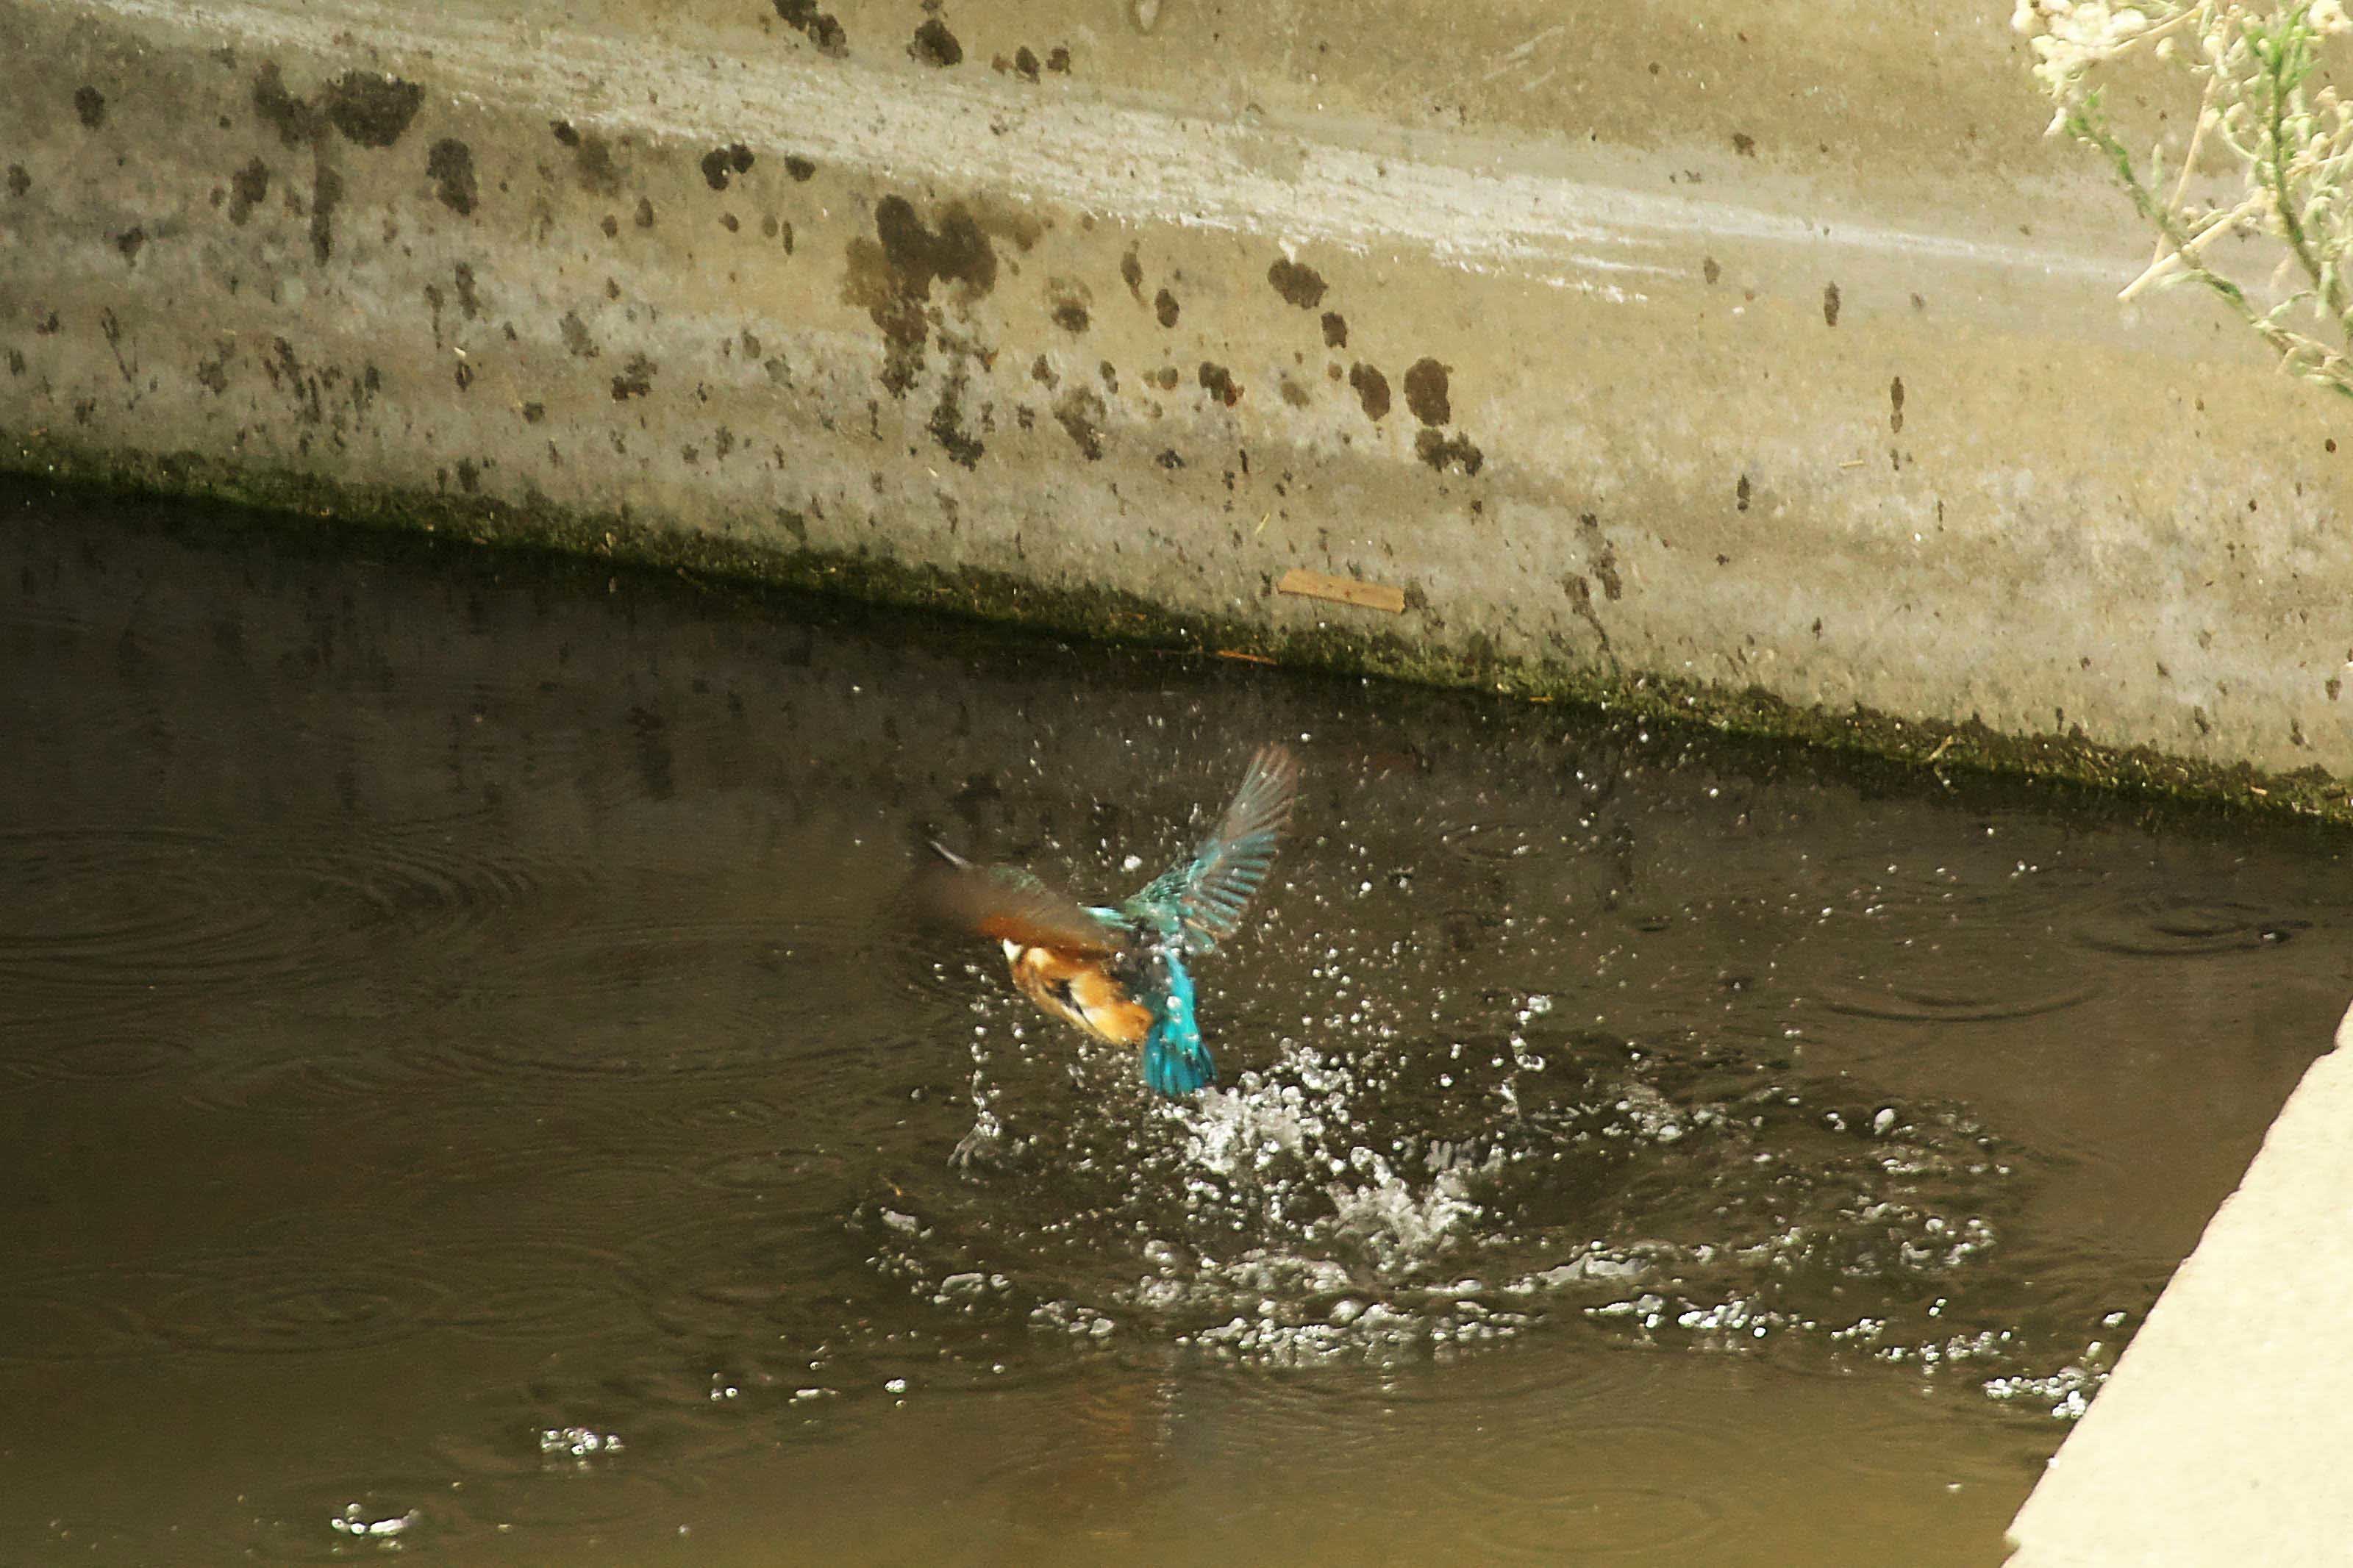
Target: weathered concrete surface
x: 2221, y: 1438
x: 1701, y: 359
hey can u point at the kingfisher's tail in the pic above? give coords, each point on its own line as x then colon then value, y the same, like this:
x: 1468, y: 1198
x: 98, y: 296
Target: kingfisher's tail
x: 1177, y: 1061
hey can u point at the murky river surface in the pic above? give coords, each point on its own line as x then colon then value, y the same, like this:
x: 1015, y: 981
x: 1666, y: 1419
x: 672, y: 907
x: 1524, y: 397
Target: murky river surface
x: 471, y: 1090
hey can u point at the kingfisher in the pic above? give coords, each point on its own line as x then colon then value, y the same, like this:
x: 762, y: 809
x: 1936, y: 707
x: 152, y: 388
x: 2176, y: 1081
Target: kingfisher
x: 1118, y: 971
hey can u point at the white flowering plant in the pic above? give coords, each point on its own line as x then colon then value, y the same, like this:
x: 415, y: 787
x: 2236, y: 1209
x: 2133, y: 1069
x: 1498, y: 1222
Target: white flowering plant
x: 2267, y: 107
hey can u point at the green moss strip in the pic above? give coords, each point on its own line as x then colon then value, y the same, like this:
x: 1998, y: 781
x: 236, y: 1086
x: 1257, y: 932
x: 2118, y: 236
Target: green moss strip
x: 1110, y: 616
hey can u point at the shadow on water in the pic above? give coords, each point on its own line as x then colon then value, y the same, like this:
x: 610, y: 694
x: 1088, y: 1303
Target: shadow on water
x: 471, y: 1087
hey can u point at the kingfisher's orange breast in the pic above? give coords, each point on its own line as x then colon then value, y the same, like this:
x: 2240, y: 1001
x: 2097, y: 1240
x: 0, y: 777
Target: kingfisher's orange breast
x: 1081, y: 992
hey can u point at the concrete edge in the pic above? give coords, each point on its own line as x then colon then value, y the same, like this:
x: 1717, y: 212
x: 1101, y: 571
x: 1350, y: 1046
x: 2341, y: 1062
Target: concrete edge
x: 2218, y: 1438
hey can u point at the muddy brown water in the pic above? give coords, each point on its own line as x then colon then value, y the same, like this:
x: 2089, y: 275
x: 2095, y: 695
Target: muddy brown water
x: 469, y: 1089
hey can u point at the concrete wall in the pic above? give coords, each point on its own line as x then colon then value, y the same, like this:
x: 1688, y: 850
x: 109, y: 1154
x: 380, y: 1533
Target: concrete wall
x: 1704, y: 358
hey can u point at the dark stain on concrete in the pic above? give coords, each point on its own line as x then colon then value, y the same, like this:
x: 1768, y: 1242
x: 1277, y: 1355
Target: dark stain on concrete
x: 1425, y: 392
x: 801, y: 169
x: 644, y: 219
x: 1220, y: 383
x: 1709, y: 270
x: 1058, y: 59
x: 326, y: 195
x: 636, y: 380
x: 575, y: 335
x: 90, y: 107
x: 110, y: 326
x: 130, y: 242
x: 1169, y: 459
x: 1438, y: 451
x: 247, y: 188
x: 946, y: 425
x: 281, y: 111
x: 1302, y: 286
x: 286, y: 373
x: 593, y: 162
x: 369, y: 109
x: 19, y: 182
x: 611, y: 226
x: 1164, y: 305
x: 1335, y: 329
x: 1896, y: 407
x: 1744, y: 143
x: 533, y: 412
x: 1372, y: 390
x: 1580, y: 599
x: 1599, y: 556
x: 720, y: 163
x: 1110, y: 375
x: 465, y: 375
x: 1024, y: 63
x: 934, y: 45
x: 593, y: 156
x: 1068, y: 300
x: 1294, y: 394
x: 817, y: 26
x: 450, y: 166
x: 469, y: 299
x: 1130, y: 272
x: 1740, y: 494
x: 15, y: 362
x: 891, y: 275
x: 1043, y: 374
x: 1080, y: 413
x: 1830, y: 305
x: 1165, y: 378
x: 212, y: 374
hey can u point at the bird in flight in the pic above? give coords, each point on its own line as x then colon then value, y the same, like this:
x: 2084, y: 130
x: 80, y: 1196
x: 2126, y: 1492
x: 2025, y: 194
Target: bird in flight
x: 1118, y: 971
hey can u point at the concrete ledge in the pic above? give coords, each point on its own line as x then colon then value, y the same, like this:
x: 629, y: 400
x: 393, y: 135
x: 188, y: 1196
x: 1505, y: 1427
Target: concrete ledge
x: 1642, y: 360
x: 2221, y: 1438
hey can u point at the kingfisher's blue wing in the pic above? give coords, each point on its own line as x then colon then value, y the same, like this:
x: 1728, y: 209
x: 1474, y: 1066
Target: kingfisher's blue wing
x: 1177, y: 1061
x: 1207, y: 894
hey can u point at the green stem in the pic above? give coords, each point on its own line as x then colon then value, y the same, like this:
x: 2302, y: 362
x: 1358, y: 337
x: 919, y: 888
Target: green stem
x: 2296, y: 353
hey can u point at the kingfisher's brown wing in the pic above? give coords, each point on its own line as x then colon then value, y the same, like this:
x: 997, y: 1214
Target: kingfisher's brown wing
x: 1004, y: 903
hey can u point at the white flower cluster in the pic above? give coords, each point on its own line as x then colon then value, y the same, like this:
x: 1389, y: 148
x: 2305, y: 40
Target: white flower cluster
x: 2070, y: 37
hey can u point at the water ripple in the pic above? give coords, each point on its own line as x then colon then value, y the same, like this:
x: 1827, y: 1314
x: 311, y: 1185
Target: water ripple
x: 2157, y: 925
